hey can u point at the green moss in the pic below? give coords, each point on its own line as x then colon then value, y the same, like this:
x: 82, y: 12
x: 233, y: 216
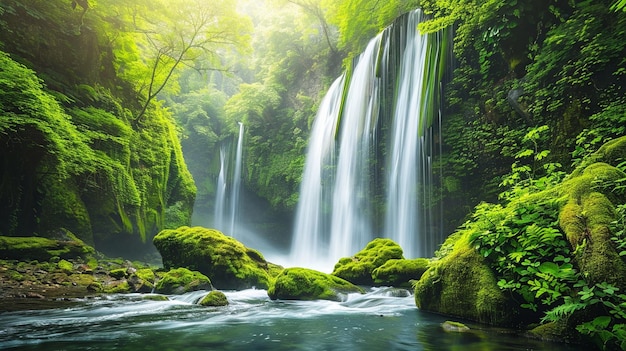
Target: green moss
x: 463, y: 285
x: 307, y: 284
x: 214, y: 298
x: 146, y: 274
x: 41, y: 249
x: 118, y: 273
x: 155, y: 297
x: 586, y: 219
x: 399, y: 272
x: 118, y: 288
x: 66, y: 266
x: 228, y: 262
x: 358, y: 269
x: 182, y: 280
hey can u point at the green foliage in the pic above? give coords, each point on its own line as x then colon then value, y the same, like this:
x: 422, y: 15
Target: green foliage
x: 358, y: 21
x: 534, y: 175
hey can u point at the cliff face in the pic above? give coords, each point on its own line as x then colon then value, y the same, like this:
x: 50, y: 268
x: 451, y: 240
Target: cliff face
x: 73, y: 156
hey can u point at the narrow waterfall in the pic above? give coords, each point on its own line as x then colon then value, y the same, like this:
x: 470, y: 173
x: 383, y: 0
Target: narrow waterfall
x: 368, y: 165
x: 220, y: 193
x: 311, y: 243
x: 234, y: 199
x: 408, y: 168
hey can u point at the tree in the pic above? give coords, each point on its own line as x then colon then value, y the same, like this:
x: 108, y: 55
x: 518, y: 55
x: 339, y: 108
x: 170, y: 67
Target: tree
x: 175, y: 33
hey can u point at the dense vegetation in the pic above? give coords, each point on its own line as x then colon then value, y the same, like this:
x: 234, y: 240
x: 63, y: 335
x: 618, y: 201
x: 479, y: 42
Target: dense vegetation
x: 97, y: 97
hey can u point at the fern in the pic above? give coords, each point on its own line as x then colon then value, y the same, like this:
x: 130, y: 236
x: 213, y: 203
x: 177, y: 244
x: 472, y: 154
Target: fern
x: 565, y: 310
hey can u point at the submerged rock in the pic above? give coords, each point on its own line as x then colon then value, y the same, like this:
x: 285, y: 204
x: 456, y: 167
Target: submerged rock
x: 358, y: 269
x: 308, y: 284
x: 182, y: 280
x: 454, y: 327
x: 228, y: 263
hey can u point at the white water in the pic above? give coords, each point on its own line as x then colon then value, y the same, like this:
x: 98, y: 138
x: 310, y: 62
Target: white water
x: 320, y: 239
x: 220, y: 193
x: 407, y: 166
x: 310, y: 246
x: 350, y: 226
x: 234, y: 199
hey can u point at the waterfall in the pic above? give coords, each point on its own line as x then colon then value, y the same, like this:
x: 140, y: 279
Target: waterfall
x: 351, y: 211
x: 234, y: 199
x: 311, y: 244
x: 220, y: 193
x: 408, y: 168
x: 370, y: 153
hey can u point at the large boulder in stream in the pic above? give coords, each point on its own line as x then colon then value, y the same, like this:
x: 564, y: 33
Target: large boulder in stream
x: 227, y: 262
x: 400, y: 272
x: 463, y: 285
x: 308, y: 284
x: 358, y: 269
x: 182, y: 280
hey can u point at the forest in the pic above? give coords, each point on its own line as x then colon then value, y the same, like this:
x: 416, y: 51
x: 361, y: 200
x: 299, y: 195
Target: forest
x: 118, y: 120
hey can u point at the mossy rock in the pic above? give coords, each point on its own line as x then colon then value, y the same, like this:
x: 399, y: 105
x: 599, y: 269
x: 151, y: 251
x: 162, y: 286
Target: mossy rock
x: 399, y: 272
x: 118, y: 287
x: 142, y: 281
x: 214, y: 298
x: 41, y: 249
x: 155, y: 297
x: 118, y: 273
x: 358, y: 269
x: 182, y: 280
x: 308, y: 284
x: 462, y: 285
x: 586, y: 219
x: 229, y: 263
x: 65, y: 266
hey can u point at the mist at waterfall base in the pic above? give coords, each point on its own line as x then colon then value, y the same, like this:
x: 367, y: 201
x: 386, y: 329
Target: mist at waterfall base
x: 382, y: 319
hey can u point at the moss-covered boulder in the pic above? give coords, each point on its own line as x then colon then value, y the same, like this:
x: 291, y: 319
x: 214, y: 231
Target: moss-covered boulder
x: 308, y: 284
x: 463, y: 285
x: 42, y: 249
x: 586, y: 220
x: 399, y: 272
x: 228, y: 263
x: 142, y: 280
x: 358, y: 269
x: 182, y: 280
x: 214, y: 298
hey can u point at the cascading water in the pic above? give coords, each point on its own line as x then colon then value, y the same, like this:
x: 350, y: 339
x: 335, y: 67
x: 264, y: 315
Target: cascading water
x: 382, y: 168
x: 220, y: 193
x: 234, y: 199
x: 308, y: 247
x: 351, y: 211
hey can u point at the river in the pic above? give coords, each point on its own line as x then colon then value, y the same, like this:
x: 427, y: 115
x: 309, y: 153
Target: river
x: 382, y: 319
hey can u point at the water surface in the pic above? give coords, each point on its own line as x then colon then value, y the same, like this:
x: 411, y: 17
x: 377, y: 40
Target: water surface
x: 382, y: 319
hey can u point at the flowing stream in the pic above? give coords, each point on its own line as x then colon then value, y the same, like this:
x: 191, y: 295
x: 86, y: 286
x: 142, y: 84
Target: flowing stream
x: 382, y: 319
